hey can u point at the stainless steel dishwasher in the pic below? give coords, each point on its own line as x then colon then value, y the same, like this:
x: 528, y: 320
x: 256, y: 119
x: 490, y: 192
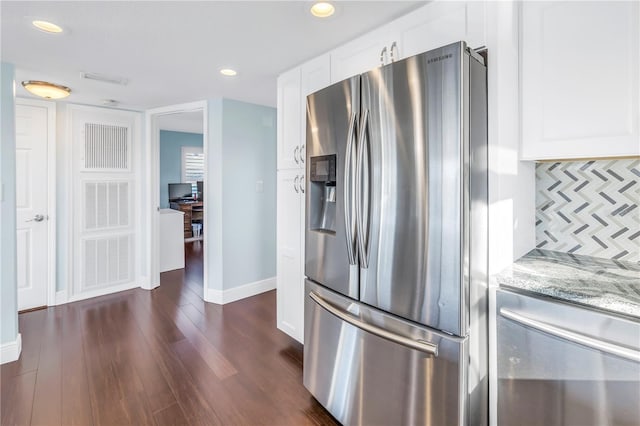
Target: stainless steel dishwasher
x: 560, y: 364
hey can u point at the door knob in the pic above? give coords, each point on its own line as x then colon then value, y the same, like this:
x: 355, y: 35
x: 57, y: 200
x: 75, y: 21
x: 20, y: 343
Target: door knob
x: 36, y: 218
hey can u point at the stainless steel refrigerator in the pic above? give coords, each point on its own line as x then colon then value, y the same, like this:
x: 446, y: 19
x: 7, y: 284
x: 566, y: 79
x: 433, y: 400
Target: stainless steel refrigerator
x: 396, y: 243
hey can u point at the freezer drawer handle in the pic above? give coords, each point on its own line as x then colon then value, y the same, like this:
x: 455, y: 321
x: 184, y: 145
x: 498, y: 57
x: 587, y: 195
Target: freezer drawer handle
x: 419, y: 345
x: 574, y: 337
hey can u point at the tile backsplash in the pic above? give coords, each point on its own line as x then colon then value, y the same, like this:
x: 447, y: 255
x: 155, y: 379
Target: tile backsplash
x: 590, y: 208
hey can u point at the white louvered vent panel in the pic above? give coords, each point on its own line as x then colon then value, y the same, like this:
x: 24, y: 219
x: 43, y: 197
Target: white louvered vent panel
x: 106, y: 261
x: 123, y: 191
x: 106, y: 147
x: 113, y: 204
x: 102, y: 208
x: 124, y: 263
x: 107, y: 205
x: 90, y: 257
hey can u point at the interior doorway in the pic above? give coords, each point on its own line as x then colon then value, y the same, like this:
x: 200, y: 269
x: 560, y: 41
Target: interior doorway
x: 179, y: 193
x: 181, y: 188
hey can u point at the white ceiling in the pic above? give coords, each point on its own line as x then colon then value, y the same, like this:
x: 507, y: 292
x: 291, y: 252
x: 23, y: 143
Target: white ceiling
x: 170, y: 51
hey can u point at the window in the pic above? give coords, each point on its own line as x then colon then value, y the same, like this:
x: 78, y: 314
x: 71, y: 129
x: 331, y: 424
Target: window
x: 192, y: 166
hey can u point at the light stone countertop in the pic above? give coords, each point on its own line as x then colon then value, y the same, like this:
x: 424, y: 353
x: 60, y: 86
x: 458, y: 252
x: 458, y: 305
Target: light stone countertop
x: 608, y: 285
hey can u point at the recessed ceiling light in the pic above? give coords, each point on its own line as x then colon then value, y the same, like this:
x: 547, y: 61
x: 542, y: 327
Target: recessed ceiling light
x: 46, y: 90
x: 228, y: 72
x: 47, y: 27
x: 322, y: 9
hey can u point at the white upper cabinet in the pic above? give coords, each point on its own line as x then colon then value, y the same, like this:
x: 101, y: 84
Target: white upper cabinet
x: 434, y: 25
x: 289, y: 120
x: 438, y: 24
x: 293, y: 88
x: 316, y: 75
x: 360, y: 55
x: 580, y: 79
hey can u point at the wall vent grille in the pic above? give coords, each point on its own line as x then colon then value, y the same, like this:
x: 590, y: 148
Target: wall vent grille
x: 106, y: 147
x: 106, y: 205
x: 107, y: 261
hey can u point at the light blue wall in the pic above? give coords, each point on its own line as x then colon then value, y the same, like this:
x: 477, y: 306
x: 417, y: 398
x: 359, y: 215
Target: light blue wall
x: 171, y: 144
x: 8, y: 288
x: 249, y: 217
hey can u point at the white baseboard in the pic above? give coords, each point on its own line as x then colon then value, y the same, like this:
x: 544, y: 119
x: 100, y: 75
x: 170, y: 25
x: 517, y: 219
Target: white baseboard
x: 10, y: 351
x: 102, y: 291
x: 221, y: 297
x: 61, y: 297
x: 145, y: 283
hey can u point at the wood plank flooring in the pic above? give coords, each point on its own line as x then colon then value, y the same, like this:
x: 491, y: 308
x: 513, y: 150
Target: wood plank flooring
x: 161, y: 357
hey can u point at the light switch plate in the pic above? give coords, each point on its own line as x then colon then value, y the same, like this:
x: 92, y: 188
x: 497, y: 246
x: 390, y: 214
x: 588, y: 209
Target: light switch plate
x: 259, y: 186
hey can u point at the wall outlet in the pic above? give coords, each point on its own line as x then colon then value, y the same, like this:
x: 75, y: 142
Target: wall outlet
x: 259, y: 186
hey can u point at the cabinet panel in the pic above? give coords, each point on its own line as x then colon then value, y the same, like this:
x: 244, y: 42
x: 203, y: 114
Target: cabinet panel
x: 439, y: 24
x: 289, y: 257
x: 580, y: 93
x: 358, y: 56
x: 315, y: 75
x: 289, y: 120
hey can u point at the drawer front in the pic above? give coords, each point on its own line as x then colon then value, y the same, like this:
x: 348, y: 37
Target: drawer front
x: 365, y: 379
x: 564, y: 365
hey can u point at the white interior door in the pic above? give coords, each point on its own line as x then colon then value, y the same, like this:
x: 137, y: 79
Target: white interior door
x: 31, y: 203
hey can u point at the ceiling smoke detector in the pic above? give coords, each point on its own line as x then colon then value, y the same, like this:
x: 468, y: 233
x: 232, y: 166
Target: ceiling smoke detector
x: 104, y: 78
x: 110, y: 102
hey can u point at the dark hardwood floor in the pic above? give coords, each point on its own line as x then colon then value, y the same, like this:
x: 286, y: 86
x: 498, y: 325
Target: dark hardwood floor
x: 159, y: 357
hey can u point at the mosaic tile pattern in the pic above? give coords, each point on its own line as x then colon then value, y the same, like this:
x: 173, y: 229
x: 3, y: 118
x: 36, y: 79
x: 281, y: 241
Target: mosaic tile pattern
x: 589, y: 208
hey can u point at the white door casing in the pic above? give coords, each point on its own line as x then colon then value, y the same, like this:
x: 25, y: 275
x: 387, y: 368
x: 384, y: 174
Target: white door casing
x: 212, y: 252
x: 35, y: 232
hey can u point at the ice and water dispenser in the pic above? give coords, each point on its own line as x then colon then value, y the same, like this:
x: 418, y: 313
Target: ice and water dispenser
x: 322, y: 194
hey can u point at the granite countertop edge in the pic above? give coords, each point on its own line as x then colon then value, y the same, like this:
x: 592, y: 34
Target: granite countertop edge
x: 607, y: 285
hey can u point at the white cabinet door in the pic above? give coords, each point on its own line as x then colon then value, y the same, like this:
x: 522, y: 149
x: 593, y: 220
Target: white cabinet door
x: 360, y: 55
x: 315, y: 75
x: 580, y: 84
x: 289, y: 120
x: 290, y: 294
x: 438, y: 24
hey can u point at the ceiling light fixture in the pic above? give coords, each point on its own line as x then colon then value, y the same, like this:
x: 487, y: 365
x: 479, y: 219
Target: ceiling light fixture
x: 47, y: 27
x: 228, y: 72
x: 322, y: 9
x: 46, y: 90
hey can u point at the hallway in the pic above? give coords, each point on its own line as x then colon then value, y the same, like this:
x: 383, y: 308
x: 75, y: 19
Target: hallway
x: 159, y: 357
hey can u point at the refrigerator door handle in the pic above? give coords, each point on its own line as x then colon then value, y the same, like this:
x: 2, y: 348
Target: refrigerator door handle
x: 572, y: 336
x: 348, y: 192
x: 419, y: 345
x: 362, y: 235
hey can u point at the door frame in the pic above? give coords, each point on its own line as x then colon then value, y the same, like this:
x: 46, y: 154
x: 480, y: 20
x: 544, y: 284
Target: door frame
x: 212, y: 220
x: 51, y: 192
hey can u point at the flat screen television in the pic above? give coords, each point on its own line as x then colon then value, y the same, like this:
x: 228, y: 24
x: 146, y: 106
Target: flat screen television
x: 179, y: 191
